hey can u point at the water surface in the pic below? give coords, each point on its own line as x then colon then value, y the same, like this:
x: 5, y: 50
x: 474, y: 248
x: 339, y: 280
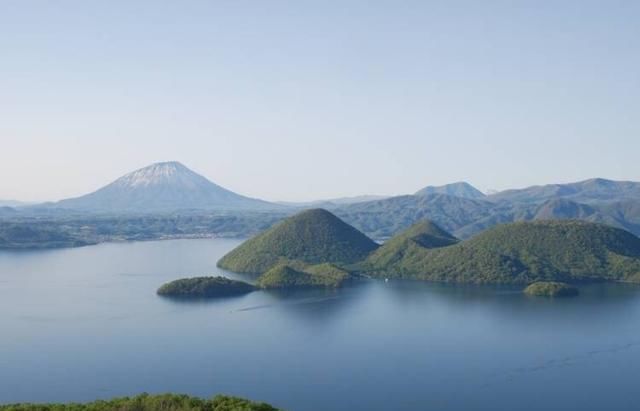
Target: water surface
x: 85, y: 323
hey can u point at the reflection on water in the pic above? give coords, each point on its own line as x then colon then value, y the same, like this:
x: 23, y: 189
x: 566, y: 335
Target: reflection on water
x: 81, y: 324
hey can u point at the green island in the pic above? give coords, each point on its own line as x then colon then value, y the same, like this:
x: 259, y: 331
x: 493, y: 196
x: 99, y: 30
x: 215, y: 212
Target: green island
x: 313, y: 237
x: 311, y: 249
x: 517, y: 253
x: 316, y: 248
x: 294, y: 274
x: 551, y: 289
x: 423, y: 235
x: 146, y: 402
x: 204, y: 287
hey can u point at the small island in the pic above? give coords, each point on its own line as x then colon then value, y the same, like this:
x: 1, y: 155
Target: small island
x: 296, y: 274
x: 551, y: 289
x: 205, y: 287
x: 146, y: 402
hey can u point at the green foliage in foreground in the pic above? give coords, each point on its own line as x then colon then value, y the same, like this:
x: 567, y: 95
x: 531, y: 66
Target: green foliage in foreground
x: 145, y: 402
x: 522, y: 253
x: 313, y: 237
x: 297, y: 274
x: 551, y: 289
x: 205, y: 287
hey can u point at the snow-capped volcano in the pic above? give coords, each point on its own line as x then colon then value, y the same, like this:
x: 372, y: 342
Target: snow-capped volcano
x: 156, y: 174
x: 165, y: 186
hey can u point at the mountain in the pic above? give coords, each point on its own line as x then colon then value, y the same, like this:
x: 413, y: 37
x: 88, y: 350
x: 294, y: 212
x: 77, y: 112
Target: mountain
x: 7, y: 211
x: 333, y: 201
x: 553, y: 209
x: 13, y: 203
x: 460, y: 189
x: 422, y: 235
x: 625, y: 213
x: 384, y: 218
x: 465, y: 218
x: 163, y: 187
x: 588, y: 191
x: 312, y: 237
x: 560, y: 208
x: 521, y: 253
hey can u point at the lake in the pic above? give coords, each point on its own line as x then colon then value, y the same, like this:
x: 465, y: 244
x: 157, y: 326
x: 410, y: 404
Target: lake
x: 85, y: 323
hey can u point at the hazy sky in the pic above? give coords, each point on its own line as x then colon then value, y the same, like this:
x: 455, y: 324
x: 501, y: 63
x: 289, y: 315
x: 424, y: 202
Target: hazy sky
x: 302, y: 100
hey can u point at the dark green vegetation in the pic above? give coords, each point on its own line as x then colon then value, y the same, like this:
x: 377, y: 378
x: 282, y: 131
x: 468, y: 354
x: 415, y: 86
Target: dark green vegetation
x: 146, y: 402
x: 551, y: 289
x: 312, y: 237
x: 422, y: 235
x: 518, y: 253
x: 293, y: 274
x: 311, y: 249
x: 203, y: 287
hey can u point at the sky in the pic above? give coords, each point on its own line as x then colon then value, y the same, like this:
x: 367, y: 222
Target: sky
x: 303, y: 100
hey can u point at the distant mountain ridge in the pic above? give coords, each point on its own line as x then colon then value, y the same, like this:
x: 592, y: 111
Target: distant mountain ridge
x: 587, y: 191
x: 597, y: 200
x: 460, y: 189
x: 166, y: 186
x: 12, y: 203
x: 334, y: 201
x: 178, y: 203
x: 384, y: 218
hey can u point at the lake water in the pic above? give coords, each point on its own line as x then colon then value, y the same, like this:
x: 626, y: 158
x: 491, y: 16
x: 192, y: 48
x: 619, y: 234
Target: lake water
x: 81, y: 324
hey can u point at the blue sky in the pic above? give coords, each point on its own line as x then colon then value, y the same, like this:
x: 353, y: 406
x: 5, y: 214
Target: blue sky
x: 302, y: 100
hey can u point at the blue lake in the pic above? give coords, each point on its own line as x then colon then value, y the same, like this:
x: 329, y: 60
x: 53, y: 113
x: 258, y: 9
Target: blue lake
x: 81, y: 324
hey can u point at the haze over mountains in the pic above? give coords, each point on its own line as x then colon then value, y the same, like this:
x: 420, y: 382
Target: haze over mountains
x: 12, y: 203
x: 168, y: 200
x: 170, y: 186
x: 334, y: 201
x: 596, y: 200
x: 588, y: 191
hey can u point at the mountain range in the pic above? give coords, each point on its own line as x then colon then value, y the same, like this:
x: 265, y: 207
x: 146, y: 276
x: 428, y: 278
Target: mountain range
x: 12, y: 203
x: 597, y: 200
x: 183, y: 203
x: 588, y: 191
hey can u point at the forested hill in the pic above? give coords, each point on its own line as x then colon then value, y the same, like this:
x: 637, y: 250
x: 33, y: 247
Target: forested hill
x: 519, y: 253
x: 313, y: 236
